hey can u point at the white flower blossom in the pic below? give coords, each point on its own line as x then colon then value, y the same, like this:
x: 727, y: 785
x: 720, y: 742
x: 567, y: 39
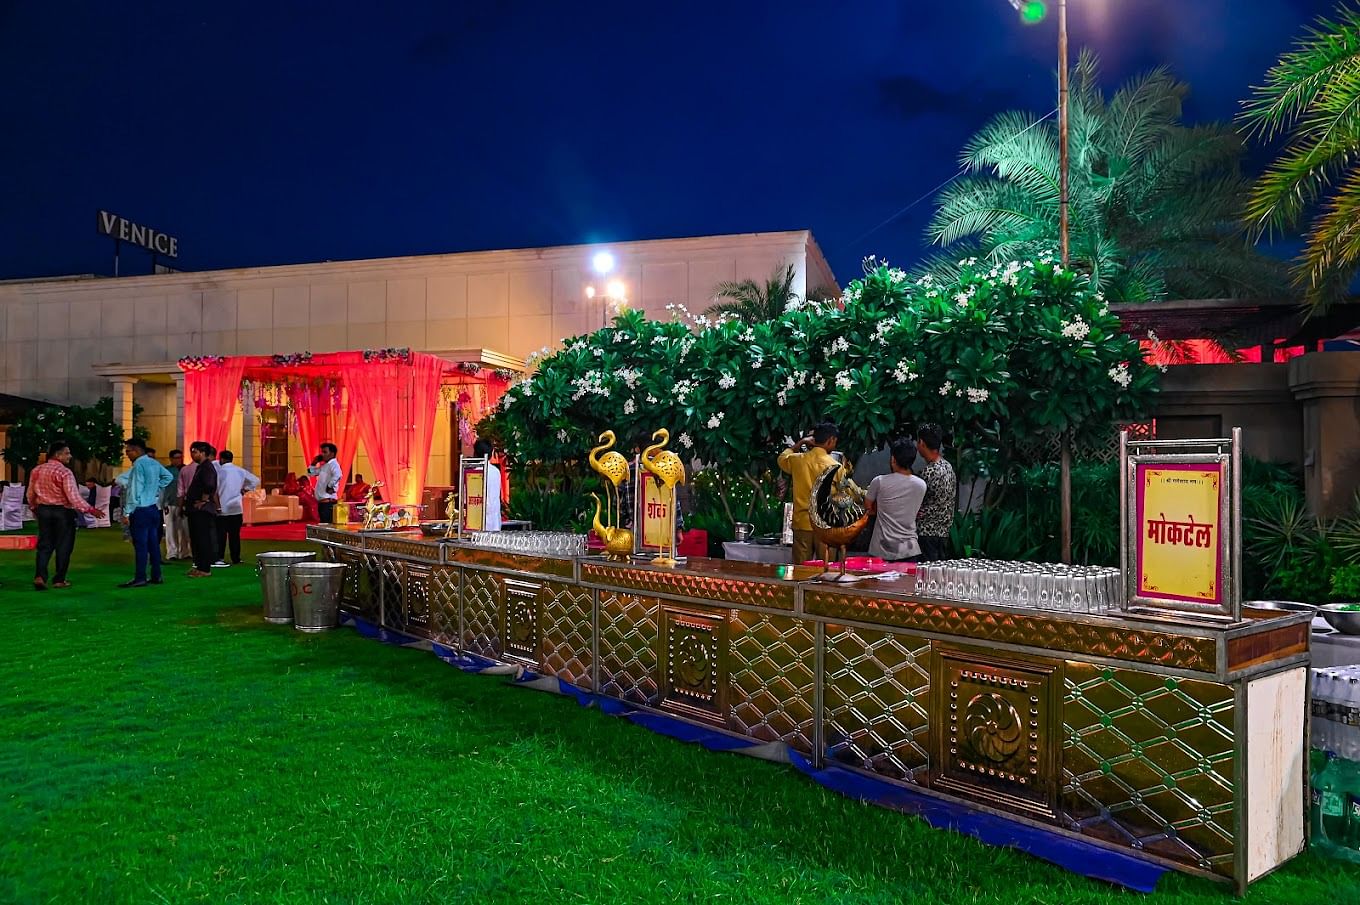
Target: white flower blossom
x: 1152, y: 335
x: 1120, y: 375
x: 598, y: 353
x: 903, y: 373
x: 727, y: 381
x: 685, y: 441
x: 715, y: 421
x: 976, y: 395
x: 1076, y: 329
x: 946, y: 387
x: 629, y: 407
x: 651, y: 400
x: 839, y: 344
x: 820, y: 385
x: 844, y: 380
x: 561, y: 436
x: 897, y: 274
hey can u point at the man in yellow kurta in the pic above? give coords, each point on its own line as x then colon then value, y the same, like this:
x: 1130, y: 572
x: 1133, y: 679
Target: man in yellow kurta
x: 805, y: 468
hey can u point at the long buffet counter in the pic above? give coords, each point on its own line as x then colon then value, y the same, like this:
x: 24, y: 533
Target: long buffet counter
x: 1176, y: 740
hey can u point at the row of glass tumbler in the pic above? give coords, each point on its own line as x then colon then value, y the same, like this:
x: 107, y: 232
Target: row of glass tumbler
x: 1045, y: 586
x: 538, y: 543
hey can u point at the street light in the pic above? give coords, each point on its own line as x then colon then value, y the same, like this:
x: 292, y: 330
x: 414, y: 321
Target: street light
x: 613, y: 297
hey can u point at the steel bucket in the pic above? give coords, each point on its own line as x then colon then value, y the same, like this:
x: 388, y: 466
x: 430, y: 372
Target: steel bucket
x: 316, y: 588
x: 273, y: 571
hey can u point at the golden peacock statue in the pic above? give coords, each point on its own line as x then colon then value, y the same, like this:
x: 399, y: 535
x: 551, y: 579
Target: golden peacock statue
x: 668, y: 467
x: 838, y: 514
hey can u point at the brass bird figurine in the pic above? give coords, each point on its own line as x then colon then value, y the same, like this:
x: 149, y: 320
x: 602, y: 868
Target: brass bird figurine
x: 613, y: 467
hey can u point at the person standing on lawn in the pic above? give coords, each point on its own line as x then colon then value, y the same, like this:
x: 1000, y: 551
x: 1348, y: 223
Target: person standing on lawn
x: 936, y: 517
x: 142, y: 486
x: 176, y: 528
x: 232, y: 482
x: 200, y: 506
x: 805, y: 468
x: 55, y: 499
x: 329, y: 481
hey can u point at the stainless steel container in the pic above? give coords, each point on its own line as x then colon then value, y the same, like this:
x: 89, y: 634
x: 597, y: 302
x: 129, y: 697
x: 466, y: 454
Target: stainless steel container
x: 273, y: 571
x: 316, y: 590
x: 1347, y: 622
x: 742, y: 531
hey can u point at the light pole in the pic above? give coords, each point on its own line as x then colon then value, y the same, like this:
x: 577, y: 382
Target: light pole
x: 1033, y: 11
x: 612, y: 294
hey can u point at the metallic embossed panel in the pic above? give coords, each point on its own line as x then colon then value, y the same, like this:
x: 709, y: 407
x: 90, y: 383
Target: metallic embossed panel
x: 445, y: 599
x: 771, y: 665
x: 1148, y: 763
x: 418, y: 599
x: 334, y: 535
x: 875, y: 701
x: 693, y: 677
x: 392, y: 574
x: 998, y: 728
x: 512, y: 562
x: 482, y: 613
x: 725, y: 589
x: 366, y: 604
x: 566, y: 617
x: 1065, y: 635
x: 413, y: 549
x: 630, y: 628
x: 520, y: 642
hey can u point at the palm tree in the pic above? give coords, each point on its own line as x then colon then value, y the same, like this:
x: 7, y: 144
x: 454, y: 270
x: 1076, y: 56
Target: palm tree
x: 752, y: 302
x: 1156, y: 206
x: 1312, y: 96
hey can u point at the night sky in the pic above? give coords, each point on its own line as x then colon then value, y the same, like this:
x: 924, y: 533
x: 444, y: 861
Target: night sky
x: 270, y: 134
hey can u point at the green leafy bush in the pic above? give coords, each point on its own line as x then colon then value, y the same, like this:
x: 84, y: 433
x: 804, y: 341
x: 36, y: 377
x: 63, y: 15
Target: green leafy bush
x: 1346, y: 584
x: 95, y: 438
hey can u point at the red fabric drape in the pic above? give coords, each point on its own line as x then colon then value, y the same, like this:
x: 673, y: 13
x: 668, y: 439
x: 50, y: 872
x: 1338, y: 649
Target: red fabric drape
x: 210, y: 396
x: 394, y: 405
x: 325, y: 417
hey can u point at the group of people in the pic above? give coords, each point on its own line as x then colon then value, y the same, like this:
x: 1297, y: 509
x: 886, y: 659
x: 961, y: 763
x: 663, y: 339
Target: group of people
x: 194, y: 507
x: 912, y: 506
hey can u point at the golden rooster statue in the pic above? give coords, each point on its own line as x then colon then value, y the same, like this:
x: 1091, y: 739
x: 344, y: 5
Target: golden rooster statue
x: 838, y: 514
x: 667, y: 466
x: 613, y: 467
x: 618, y: 542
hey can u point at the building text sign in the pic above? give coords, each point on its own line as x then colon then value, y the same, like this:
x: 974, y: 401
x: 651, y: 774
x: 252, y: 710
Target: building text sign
x: 124, y: 230
x: 1179, y: 549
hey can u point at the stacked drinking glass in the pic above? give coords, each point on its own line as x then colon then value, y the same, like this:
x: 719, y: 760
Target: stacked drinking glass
x: 535, y: 543
x: 1045, y: 586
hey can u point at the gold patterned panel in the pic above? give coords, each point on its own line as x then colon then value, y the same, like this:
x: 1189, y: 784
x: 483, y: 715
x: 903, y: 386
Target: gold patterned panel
x: 630, y: 629
x: 1148, y: 762
x: 567, y: 614
x: 511, y: 562
x: 418, y: 599
x: 875, y: 700
x: 693, y: 674
x: 520, y: 642
x: 366, y: 603
x: 1059, y: 635
x: 482, y: 613
x: 424, y: 550
x: 334, y: 536
x: 998, y: 728
x: 773, y: 680
x: 392, y: 575
x: 445, y: 600
x: 724, y: 589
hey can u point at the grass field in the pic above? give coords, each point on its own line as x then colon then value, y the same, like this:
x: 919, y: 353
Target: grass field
x: 165, y: 745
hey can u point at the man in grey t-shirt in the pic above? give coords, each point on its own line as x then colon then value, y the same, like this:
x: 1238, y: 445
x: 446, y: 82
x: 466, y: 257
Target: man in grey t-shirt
x: 895, y: 498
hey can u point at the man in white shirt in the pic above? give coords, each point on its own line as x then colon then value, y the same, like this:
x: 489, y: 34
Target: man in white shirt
x: 894, y: 499
x: 491, y: 489
x: 330, y: 479
x: 233, y: 482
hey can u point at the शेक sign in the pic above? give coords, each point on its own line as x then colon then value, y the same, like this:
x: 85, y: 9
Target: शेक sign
x: 474, y: 498
x: 1179, y: 549
x: 655, y: 514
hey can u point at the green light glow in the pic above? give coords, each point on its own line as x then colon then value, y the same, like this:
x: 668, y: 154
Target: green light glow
x: 1033, y: 12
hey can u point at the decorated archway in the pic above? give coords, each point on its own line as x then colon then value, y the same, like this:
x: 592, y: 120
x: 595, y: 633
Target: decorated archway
x: 386, y: 399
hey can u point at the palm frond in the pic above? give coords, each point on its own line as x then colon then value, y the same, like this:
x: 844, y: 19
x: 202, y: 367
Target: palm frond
x: 1327, y: 51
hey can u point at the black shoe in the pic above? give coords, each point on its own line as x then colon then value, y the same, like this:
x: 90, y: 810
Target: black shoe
x: 134, y: 584
x: 157, y: 581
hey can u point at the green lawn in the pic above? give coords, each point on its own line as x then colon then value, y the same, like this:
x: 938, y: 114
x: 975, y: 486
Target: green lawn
x: 165, y: 745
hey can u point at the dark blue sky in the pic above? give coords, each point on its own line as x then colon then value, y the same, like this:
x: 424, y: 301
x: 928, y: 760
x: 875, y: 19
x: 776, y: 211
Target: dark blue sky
x: 268, y: 134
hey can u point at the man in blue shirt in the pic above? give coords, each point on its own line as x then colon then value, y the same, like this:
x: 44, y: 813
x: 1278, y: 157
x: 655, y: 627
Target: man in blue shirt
x: 142, y: 485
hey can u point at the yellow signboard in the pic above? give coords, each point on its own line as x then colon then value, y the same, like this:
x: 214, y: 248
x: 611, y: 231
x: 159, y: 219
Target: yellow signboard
x: 1179, y: 524
x: 655, y: 514
x: 474, y: 499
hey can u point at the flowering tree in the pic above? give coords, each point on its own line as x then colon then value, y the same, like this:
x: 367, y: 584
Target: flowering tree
x: 95, y: 438
x: 997, y: 354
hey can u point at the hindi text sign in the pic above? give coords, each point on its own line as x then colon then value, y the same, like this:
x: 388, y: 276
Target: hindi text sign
x: 1179, y: 549
x: 656, y: 504
x: 474, y: 498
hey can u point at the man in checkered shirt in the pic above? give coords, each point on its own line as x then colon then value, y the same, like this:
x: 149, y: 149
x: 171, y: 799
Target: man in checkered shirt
x: 55, y: 499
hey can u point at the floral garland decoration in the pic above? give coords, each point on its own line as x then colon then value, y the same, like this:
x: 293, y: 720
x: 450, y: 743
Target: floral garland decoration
x: 201, y: 362
x: 388, y: 355
x: 470, y: 367
x: 505, y: 374
x: 292, y: 360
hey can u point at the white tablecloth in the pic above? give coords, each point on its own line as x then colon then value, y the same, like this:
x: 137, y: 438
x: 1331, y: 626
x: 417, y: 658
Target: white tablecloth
x: 12, y: 508
x: 775, y: 553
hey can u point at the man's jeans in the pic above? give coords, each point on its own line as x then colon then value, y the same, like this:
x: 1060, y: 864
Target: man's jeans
x: 144, y: 525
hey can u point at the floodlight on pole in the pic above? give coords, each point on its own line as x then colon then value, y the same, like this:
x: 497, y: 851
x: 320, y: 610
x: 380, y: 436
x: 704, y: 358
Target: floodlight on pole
x: 603, y: 262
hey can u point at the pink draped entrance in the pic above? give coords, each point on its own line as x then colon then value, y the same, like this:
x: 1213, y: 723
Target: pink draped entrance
x: 388, y: 400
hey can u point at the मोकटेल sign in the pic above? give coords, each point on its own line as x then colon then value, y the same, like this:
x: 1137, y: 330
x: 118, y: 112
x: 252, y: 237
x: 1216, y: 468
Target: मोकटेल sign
x: 1179, y: 548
